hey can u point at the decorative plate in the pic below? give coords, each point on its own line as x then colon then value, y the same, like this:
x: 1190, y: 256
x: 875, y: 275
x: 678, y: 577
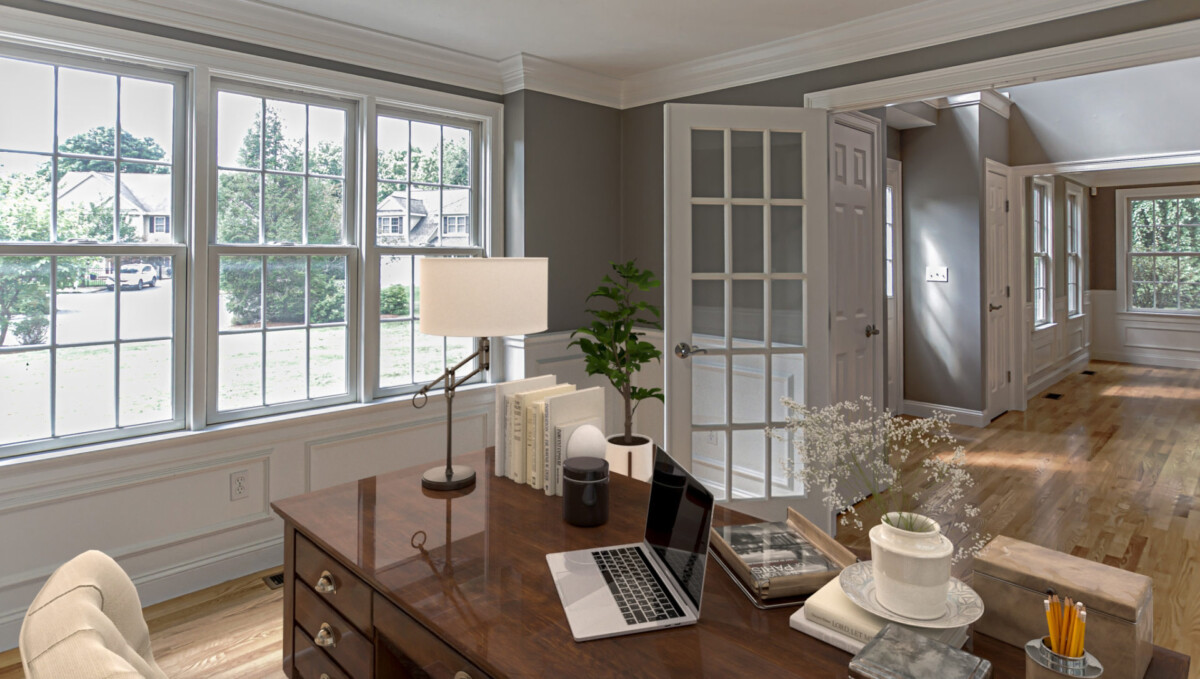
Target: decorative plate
x: 963, y: 605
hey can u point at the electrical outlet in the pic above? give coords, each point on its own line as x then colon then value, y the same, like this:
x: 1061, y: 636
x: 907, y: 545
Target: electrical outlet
x: 238, y: 487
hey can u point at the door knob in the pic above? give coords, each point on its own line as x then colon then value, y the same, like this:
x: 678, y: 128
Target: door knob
x: 685, y: 350
x: 872, y: 330
x: 995, y: 307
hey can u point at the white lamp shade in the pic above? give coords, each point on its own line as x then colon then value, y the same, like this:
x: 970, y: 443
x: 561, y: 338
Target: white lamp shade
x: 476, y: 297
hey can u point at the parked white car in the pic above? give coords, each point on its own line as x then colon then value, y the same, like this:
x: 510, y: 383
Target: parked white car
x: 134, y: 276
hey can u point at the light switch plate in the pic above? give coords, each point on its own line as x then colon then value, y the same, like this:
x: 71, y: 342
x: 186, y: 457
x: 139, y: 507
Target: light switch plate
x: 937, y: 274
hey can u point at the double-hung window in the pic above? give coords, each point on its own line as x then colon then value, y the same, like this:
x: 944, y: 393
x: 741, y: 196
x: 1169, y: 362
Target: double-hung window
x: 91, y: 329
x: 283, y: 263
x: 1043, y: 268
x: 1161, y: 264
x: 428, y: 176
x: 1074, y: 252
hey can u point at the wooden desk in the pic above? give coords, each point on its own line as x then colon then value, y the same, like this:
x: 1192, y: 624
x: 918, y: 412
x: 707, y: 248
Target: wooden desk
x: 483, y: 600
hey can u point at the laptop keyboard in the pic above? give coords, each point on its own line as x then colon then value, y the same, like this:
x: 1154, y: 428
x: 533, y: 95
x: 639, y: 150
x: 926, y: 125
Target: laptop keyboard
x: 638, y: 590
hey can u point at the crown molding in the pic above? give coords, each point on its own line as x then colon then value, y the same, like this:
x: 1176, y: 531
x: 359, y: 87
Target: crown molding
x: 900, y: 30
x: 989, y: 99
x: 927, y: 23
x: 263, y: 24
x: 529, y: 72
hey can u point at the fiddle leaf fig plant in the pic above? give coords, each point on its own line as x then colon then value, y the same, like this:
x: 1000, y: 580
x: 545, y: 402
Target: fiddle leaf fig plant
x: 612, y: 345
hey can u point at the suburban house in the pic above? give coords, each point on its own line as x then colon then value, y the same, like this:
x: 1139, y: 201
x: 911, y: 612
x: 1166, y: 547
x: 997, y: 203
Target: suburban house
x: 981, y: 211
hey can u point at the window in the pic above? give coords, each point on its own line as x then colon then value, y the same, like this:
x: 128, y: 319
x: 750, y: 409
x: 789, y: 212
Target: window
x: 390, y: 226
x: 90, y: 337
x: 1042, y: 261
x: 1162, y: 262
x: 427, y: 174
x: 1074, y: 252
x: 282, y: 256
x: 162, y: 224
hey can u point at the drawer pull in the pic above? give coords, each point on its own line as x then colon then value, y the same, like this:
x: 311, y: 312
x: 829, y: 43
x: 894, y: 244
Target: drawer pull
x: 325, y: 583
x: 461, y: 675
x: 325, y: 637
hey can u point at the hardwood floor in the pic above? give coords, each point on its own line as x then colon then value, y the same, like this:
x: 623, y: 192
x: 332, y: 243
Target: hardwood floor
x: 1110, y: 472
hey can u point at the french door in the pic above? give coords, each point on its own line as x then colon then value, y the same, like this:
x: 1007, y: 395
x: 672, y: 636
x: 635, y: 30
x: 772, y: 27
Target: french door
x: 747, y: 296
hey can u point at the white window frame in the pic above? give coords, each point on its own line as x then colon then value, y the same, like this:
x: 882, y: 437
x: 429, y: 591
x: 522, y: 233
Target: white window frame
x: 1042, y: 218
x: 165, y: 226
x: 1077, y: 227
x: 1124, y: 231
x: 460, y: 224
x: 376, y: 252
x: 177, y: 250
x: 199, y: 65
x: 395, y: 225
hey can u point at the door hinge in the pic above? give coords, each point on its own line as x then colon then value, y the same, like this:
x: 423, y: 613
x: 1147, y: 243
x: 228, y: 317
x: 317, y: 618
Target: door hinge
x: 1008, y: 291
x: 1009, y: 376
x: 1006, y: 205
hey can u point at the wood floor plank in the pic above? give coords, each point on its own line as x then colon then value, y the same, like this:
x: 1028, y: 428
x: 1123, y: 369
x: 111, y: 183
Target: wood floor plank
x: 1110, y: 472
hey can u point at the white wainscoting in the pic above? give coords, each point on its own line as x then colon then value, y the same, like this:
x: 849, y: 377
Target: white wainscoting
x: 161, y: 505
x: 1056, y: 350
x: 1143, y: 339
x: 969, y: 418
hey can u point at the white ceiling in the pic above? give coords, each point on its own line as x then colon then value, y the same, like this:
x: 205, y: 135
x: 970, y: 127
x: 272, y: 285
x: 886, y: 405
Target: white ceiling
x: 616, y: 38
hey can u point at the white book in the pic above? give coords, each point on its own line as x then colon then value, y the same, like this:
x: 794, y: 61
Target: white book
x: 503, y: 413
x: 834, y: 638
x: 832, y: 609
x: 561, y: 410
x: 559, y: 438
x: 529, y: 467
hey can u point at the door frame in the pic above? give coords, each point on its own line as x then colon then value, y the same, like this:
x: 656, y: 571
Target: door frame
x: 895, y: 168
x: 874, y: 127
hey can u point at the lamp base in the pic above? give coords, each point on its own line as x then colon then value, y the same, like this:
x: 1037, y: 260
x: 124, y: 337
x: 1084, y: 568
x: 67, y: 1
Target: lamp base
x: 436, y: 479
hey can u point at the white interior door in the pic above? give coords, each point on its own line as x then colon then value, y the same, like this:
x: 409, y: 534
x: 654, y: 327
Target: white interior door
x: 856, y: 254
x: 746, y: 295
x: 999, y: 292
x: 893, y: 277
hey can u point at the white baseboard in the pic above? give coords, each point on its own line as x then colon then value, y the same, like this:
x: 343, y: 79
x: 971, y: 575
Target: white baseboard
x: 1049, y: 379
x: 970, y: 418
x: 1149, y: 358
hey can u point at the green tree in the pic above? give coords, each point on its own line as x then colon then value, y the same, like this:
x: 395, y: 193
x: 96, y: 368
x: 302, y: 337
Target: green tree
x: 100, y: 141
x: 393, y: 300
x: 24, y: 290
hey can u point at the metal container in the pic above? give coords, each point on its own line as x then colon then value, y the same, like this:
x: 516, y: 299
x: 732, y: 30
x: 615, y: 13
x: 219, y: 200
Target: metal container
x: 585, y: 491
x: 1042, y: 663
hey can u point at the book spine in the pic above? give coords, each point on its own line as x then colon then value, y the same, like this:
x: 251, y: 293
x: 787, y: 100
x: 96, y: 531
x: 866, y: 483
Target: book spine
x: 822, y: 633
x: 500, y: 464
x: 559, y: 454
x: 547, y: 454
x: 516, y: 466
x: 820, y: 618
x: 530, y: 474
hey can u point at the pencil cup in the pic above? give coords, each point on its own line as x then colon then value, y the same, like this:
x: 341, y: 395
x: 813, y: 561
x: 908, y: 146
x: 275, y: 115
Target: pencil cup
x: 1042, y: 663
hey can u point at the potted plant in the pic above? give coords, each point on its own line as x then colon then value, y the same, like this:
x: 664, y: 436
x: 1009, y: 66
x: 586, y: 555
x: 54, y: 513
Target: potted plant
x: 614, y: 348
x: 852, y: 451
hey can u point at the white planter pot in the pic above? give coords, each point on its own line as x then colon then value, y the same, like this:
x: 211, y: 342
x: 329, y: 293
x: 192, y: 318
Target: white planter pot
x: 636, y: 461
x: 912, y: 569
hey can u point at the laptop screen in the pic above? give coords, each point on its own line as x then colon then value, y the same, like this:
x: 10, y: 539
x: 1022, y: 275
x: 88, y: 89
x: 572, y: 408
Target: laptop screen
x: 678, y: 521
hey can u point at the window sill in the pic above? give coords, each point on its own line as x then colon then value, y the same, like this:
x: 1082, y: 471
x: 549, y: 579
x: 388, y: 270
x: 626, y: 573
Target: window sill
x: 1044, y: 326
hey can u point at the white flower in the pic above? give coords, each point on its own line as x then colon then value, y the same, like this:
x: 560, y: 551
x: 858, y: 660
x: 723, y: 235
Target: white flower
x: 846, y: 451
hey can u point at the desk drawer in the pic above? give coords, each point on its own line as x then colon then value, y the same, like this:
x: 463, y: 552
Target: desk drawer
x: 350, y: 596
x: 311, y: 662
x: 416, y: 651
x: 349, y: 647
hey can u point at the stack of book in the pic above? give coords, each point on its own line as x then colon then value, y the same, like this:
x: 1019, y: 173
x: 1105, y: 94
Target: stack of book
x: 535, y: 418
x: 829, y: 615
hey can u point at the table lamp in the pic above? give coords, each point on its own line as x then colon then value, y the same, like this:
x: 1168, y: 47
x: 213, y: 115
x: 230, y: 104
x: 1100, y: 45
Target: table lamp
x: 476, y: 297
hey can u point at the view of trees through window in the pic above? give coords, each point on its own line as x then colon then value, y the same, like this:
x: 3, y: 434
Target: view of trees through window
x: 1164, y: 259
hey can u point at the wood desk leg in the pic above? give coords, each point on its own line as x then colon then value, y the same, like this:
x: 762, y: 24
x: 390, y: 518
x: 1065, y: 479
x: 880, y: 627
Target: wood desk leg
x: 289, y: 594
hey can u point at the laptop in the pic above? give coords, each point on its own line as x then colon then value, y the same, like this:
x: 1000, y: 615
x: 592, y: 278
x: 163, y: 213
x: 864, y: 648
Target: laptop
x: 657, y: 583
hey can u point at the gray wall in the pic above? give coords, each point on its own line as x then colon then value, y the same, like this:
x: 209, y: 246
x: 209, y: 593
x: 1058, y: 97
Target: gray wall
x: 1089, y: 117
x: 571, y: 185
x: 642, y: 201
x: 943, y: 338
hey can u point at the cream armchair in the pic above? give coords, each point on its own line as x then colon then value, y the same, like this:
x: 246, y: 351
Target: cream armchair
x: 87, y: 623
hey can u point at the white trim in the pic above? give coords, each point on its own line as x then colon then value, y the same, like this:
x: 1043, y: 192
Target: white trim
x: 1165, y: 43
x: 1081, y: 225
x: 528, y: 72
x: 970, y: 418
x: 1122, y: 238
x: 989, y: 99
x: 925, y: 24
x: 895, y: 169
x: 1054, y: 376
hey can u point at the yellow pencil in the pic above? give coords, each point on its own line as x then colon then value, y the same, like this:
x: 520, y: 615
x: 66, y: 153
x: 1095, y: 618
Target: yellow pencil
x: 1056, y: 613
x: 1077, y: 646
x: 1064, y: 630
x: 1050, y: 624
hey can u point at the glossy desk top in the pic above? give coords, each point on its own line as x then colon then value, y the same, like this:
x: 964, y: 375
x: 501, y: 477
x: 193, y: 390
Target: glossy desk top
x: 471, y: 567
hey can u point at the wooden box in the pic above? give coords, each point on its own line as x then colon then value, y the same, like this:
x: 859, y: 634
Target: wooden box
x: 1013, y: 577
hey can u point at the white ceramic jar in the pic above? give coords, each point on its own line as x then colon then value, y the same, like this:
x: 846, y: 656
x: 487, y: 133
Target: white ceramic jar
x: 911, y: 568
x: 636, y: 460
